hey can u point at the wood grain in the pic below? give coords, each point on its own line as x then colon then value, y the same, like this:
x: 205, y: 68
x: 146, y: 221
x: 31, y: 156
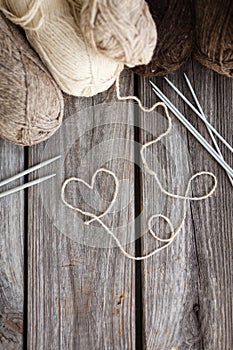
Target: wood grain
x: 81, y: 292
x: 187, y: 289
x: 81, y: 296
x: 214, y: 234
x: 12, y: 232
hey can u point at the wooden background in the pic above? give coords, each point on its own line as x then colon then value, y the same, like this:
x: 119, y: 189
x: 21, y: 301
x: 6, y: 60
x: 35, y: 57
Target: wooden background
x: 56, y: 293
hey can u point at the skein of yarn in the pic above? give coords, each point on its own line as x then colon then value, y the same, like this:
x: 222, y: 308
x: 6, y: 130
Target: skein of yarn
x: 214, y: 35
x: 31, y: 104
x: 122, y: 30
x: 51, y: 30
x: 175, y: 36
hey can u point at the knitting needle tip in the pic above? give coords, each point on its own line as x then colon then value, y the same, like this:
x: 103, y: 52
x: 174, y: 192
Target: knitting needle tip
x: 26, y: 185
x: 30, y: 170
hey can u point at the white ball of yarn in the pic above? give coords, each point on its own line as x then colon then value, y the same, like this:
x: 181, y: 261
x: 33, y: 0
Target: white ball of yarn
x: 55, y: 35
x: 122, y: 30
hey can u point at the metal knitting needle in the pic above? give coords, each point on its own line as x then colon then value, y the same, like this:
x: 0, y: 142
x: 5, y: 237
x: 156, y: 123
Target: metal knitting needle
x: 28, y: 184
x: 199, y: 114
x: 203, y: 114
x: 28, y: 171
x: 190, y: 127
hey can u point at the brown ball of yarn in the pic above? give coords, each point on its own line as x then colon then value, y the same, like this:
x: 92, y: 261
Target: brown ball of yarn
x: 214, y: 35
x: 175, y: 36
x: 121, y: 30
x: 31, y: 104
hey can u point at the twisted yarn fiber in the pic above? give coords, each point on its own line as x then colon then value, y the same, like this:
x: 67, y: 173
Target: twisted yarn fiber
x: 31, y: 104
x: 175, y: 36
x: 214, y: 35
x: 122, y: 30
x: 51, y: 30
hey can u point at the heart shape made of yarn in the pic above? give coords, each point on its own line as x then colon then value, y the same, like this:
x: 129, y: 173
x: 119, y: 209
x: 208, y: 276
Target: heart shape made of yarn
x: 91, y: 187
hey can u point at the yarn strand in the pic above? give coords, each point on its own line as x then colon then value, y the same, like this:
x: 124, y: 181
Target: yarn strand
x: 185, y: 197
x: 24, y: 20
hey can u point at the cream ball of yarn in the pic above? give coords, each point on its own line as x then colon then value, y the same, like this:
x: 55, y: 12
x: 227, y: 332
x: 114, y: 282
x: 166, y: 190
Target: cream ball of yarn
x: 55, y: 35
x: 122, y: 30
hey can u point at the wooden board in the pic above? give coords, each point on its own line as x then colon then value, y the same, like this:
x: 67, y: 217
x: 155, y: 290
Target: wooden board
x: 81, y: 296
x: 12, y: 231
x: 214, y: 235
x: 80, y: 292
x: 187, y: 289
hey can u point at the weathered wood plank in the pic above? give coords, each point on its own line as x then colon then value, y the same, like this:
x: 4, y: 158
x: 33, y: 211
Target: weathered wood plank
x: 187, y: 288
x: 81, y: 295
x: 11, y: 252
x: 214, y: 233
x: 169, y: 278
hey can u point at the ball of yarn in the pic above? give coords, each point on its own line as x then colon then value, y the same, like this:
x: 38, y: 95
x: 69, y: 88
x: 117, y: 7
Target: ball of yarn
x: 175, y: 36
x: 122, y: 30
x: 31, y: 104
x: 214, y: 35
x: 52, y: 31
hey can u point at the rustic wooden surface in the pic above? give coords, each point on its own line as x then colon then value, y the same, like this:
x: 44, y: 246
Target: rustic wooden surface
x: 190, y: 284
x: 58, y: 293
x: 12, y: 249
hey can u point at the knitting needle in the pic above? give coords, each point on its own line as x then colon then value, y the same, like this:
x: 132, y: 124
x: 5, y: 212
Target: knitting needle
x: 199, y: 114
x: 193, y: 131
x: 25, y: 172
x: 28, y: 184
x: 203, y: 114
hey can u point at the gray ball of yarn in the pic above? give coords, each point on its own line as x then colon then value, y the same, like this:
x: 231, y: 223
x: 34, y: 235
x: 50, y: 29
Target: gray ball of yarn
x: 31, y: 104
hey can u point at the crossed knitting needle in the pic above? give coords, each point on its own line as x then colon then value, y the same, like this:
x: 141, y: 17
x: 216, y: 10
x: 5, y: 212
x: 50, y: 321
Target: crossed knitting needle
x: 216, y: 154
x: 25, y: 172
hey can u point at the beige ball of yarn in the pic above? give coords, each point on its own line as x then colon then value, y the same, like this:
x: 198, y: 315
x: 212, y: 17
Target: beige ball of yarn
x: 122, y: 30
x: 31, y: 104
x: 52, y: 31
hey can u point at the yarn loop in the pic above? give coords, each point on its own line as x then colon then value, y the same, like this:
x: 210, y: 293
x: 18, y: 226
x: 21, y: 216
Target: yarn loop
x: 25, y: 20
